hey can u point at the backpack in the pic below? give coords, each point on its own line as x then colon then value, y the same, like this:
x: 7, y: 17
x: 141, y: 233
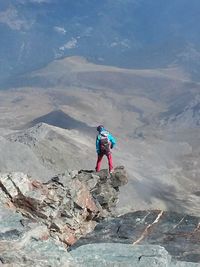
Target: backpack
x: 104, y: 143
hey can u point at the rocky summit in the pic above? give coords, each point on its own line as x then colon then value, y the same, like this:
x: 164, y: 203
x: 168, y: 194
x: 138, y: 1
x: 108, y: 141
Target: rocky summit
x: 40, y: 218
x: 70, y: 221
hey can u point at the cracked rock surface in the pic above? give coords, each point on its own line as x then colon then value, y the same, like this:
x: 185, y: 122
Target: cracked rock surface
x: 178, y: 233
x: 70, y: 221
x: 38, y: 218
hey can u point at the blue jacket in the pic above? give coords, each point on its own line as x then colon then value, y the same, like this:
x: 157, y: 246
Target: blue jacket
x: 110, y: 138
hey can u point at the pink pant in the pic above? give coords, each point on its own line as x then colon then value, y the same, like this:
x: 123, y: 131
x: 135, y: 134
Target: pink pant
x: 99, y: 159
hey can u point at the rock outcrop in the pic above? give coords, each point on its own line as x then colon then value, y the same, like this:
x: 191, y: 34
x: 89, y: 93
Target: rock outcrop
x: 70, y: 221
x: 178, y: 233
x: 48, y: 216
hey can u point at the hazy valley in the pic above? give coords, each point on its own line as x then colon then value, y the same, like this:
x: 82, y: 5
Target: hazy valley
x: 154, y: 115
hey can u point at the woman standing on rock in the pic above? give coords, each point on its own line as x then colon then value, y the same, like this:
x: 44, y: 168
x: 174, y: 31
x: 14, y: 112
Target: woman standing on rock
x: 104, y: 143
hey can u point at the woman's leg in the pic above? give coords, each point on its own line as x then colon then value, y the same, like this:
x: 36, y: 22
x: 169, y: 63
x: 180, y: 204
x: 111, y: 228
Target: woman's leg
x: 98, y: 165
x: 110, y: 162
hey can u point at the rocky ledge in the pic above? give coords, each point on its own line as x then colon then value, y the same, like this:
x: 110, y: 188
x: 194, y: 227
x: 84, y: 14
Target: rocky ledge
x: 70, y: 221
x: 59, y: 211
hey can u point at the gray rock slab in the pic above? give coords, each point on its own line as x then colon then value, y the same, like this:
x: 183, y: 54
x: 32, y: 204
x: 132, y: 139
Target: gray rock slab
x: 123, y: 255
x: 115, y: 254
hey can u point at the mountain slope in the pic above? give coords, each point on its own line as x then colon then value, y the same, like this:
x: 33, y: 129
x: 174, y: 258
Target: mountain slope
x: 45, y: 149
x: 60, y: 119
x: 188, y: 116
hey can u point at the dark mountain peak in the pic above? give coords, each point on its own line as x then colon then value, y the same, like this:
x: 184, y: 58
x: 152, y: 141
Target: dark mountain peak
x: 60, y: 119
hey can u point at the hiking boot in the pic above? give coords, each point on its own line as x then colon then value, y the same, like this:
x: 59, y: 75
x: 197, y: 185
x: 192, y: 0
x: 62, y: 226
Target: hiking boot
x: 111, y: 171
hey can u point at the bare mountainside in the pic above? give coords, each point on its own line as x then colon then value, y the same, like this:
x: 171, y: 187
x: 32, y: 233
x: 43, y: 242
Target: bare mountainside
x: 137, y: 106
x: 76, y: 71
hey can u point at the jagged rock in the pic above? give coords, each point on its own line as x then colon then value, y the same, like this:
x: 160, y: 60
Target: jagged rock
x: 106, y: 191
x: 62, y: 209
x: 14, y: 184
x: 39, y: 221
x: 178, y: 233
x: 24, y: 242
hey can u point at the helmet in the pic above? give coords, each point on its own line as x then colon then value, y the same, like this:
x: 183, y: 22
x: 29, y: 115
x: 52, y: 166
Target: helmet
x: 99, y: 128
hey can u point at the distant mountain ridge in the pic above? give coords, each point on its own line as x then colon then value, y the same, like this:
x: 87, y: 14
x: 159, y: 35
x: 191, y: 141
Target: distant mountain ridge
x: 141, y: 34
x: 189, y: 116
x: 59, y: 119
